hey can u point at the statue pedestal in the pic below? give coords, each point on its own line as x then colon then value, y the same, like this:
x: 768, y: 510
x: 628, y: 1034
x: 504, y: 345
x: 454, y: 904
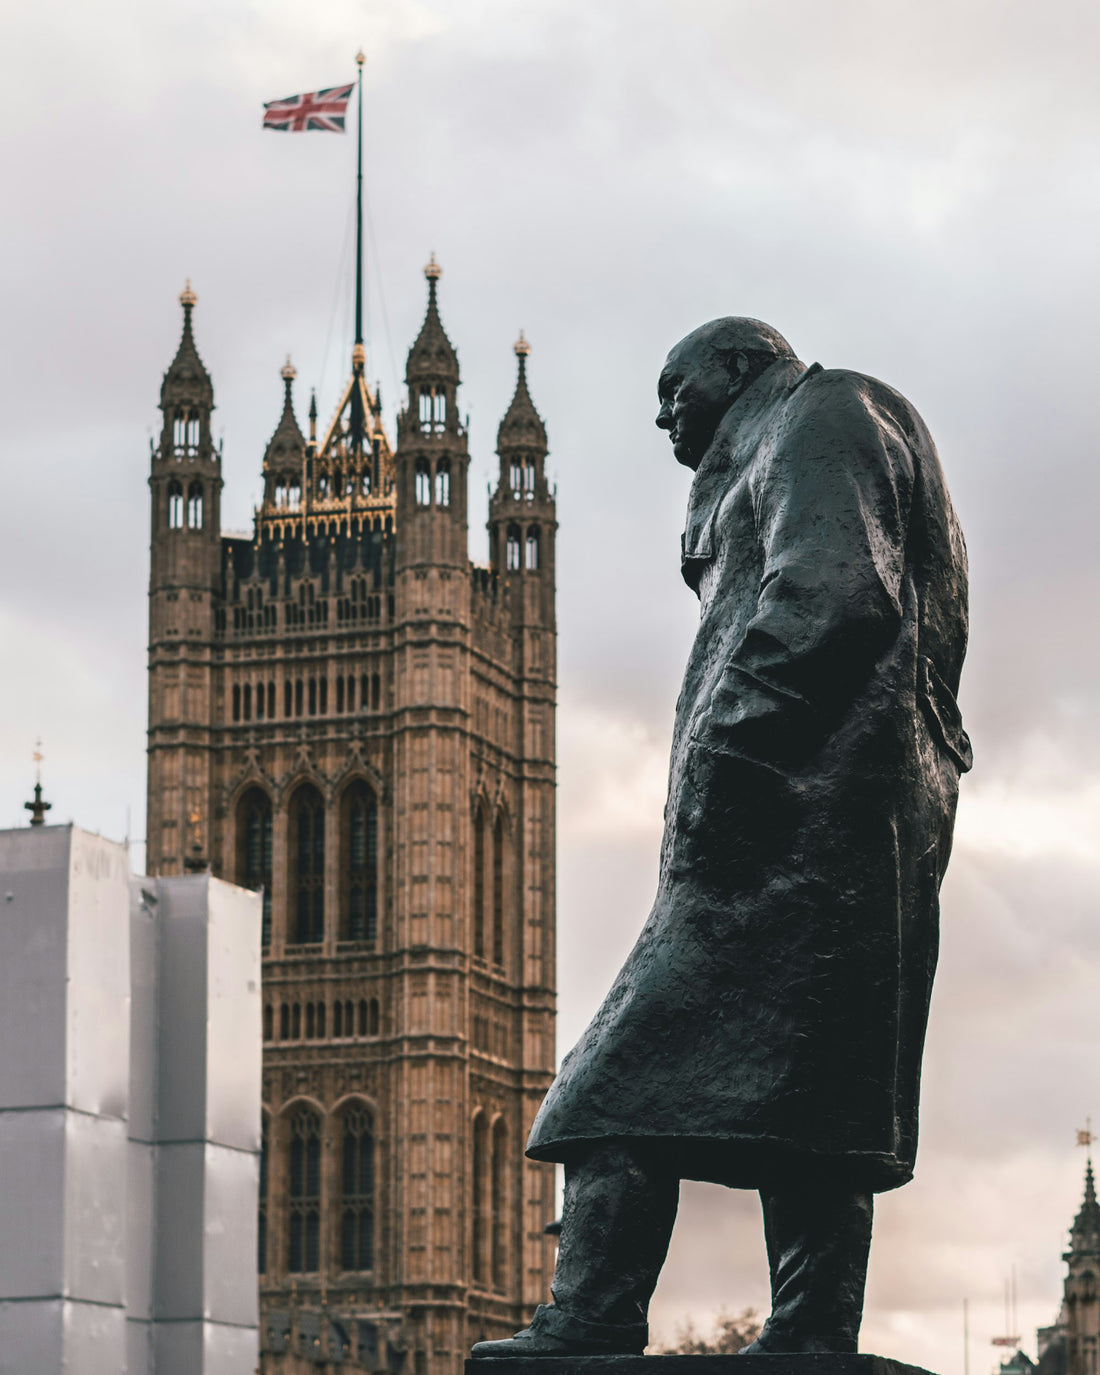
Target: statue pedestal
x: 823, y: 1364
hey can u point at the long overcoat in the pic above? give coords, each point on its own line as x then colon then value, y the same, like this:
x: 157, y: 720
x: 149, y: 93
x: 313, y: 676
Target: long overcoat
x: 771, y: 1016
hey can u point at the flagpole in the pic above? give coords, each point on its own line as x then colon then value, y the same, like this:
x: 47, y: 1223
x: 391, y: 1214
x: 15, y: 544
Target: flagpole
x: 360, y: 59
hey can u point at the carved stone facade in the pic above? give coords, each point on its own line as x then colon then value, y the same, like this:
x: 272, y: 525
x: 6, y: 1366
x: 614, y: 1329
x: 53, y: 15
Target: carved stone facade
x: 348, y: 713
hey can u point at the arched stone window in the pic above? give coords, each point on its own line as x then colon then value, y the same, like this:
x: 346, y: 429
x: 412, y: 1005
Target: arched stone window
x: 479, y: 882
x: 531, y: 560
x: 193, y: 431
x: 443, y: 483
x: 498, y: 890
x: 501, y: 1213
x: 261, y: 1228
x: 433, y: 410
x: 194, y: 506
x: 374, y: 1018
x: 362, y: 1016
x: 423, y: 483
x: 512, y: 549
x: 254, y: 850
x: 359, y: 867
x: 304, y: 1192
x: 357, y: 1190
x: 175, y: 505
x: 269, y: 1022
x: 307, y: 840
x: 479, y: 1203
x: 284, y: 1022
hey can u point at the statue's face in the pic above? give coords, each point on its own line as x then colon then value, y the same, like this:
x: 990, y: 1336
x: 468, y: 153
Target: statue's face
x: 695, y: 390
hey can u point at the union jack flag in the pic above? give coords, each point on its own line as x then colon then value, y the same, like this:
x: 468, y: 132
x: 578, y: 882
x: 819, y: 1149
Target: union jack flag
x: 314, y: 110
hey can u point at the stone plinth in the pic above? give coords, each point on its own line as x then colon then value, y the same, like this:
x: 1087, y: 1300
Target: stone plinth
x: 825, y: 1364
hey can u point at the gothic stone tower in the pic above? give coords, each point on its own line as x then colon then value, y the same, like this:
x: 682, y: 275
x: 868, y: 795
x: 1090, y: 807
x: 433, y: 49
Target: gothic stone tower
x: 346, y: 712
x: 1081, y: 1295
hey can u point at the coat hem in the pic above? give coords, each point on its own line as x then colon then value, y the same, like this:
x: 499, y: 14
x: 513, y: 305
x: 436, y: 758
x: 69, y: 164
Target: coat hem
x: 756, y: 1162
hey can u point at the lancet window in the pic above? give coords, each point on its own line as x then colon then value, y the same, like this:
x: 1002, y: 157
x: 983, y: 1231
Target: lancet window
x: 443, y: 483
x: 175, y: 506
x: 308, y: 856
x: 479, y: 883
x: 433, y: 410
x: 357, y: 1179
x: 194, y: 506
x: 512, y: 549
x: 255, y: 849
x: 500, y: 1210
x: 531, y: 560
x: 423, y: 483
x: 304, y: 1190
x: 261, y: 1231
x: 360, y: 865
x: 498, y: 891
x: 480, y: 1207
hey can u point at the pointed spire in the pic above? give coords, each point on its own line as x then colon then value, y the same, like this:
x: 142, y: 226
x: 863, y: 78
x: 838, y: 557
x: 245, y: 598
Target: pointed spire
x: 432, y: 357
x: 1085, y: 1232
x: 522, y: 425
x: 187, y: 379
x: 288, y: 443
x: 38, y: 808
x: 313, y: 415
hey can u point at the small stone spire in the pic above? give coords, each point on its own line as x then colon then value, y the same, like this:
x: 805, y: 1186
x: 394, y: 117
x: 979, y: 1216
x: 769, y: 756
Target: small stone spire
x: 1085, y: 1232
x: 288, y: 442
x: 38, y: 808
x: 313, y: 415
x: 522, y: 425
x: 432, y: 357
x: 187, y: 380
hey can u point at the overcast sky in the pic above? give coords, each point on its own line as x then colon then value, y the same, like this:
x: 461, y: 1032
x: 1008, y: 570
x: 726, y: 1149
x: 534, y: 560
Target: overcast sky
x: 908, y: 189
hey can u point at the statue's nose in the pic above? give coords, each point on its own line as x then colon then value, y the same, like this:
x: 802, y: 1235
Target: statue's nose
x: 664, y: 417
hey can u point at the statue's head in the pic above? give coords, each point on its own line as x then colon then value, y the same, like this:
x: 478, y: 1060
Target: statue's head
x: 705, y: 374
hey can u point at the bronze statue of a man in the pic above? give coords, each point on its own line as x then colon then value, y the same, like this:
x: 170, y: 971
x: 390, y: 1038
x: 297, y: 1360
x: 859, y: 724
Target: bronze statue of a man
x: 766, y: 1031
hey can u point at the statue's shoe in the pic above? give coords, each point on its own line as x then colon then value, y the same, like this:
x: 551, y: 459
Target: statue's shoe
x: 532, y: 1343
x: 774, y: 1344
x: 555, y: 1333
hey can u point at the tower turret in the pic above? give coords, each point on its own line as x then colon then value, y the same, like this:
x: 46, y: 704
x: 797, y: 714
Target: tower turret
x: 432, y: 455
x: 186, y: 476
x: 1081, y: 1310
x: 285, y: 455
x: 184, y: 593
x: 522, y: 517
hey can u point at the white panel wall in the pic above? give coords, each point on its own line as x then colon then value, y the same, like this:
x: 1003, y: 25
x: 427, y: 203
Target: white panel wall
x: 129, y: 1114
x: 64, y: 1086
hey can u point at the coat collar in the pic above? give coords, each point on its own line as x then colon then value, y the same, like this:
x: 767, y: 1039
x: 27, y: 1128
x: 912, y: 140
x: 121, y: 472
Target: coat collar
x: 736, y: 433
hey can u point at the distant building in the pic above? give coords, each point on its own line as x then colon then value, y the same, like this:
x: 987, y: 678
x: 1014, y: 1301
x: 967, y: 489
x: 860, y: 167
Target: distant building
x: 1070, y: 1345
x: 129, y: 1114
x: 348, y: 714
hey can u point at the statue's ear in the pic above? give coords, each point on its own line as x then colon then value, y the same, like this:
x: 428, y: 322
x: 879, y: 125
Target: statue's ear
x: 739, y: 366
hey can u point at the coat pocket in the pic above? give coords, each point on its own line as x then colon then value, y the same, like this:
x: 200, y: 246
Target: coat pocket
x: 942, y: 713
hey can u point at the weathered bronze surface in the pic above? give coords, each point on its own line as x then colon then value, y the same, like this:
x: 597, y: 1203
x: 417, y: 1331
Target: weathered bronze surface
x: 766, y: 1031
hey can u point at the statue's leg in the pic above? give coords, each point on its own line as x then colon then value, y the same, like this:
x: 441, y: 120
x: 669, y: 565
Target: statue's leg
x: 818, y: 1236
x: 616, y: 1224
